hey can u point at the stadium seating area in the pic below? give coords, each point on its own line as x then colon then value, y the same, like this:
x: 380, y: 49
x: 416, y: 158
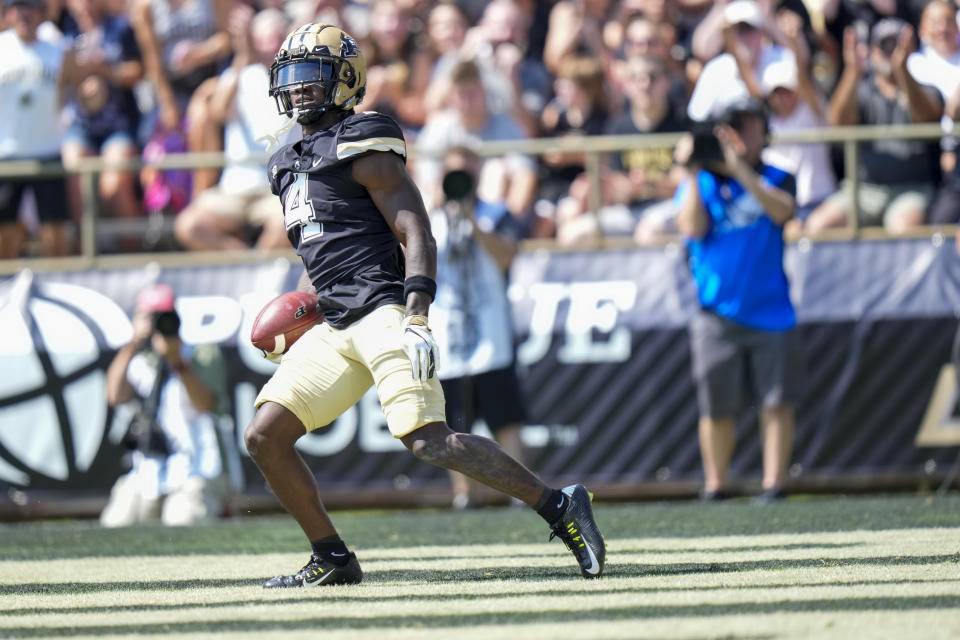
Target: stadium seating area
x: 142, y: 80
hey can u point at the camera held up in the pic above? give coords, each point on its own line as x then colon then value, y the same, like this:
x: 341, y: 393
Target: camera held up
x: 166, y: 323
x: 706, y: 147
x: 459, y: 191
x: 458, y: 185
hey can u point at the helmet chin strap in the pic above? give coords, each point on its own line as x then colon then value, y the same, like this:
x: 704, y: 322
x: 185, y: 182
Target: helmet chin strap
x: 272, y: 140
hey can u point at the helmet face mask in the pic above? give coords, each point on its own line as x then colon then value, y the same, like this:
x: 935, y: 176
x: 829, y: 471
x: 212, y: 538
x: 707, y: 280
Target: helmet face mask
x: 304, y: 85
x: 318, y: 68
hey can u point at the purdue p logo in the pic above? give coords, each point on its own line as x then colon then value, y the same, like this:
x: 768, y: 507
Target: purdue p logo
x: 348, y: 46
x: 53, y: 410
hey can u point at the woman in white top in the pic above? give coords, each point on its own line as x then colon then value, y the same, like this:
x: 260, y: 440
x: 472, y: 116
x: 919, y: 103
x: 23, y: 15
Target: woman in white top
x: 796, y: 104
x: 794, y: 108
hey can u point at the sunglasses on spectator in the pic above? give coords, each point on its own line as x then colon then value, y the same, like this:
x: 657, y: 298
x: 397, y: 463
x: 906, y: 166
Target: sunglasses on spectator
x: 745, y: 27
x: 648, y: 42
x: 650, y: 76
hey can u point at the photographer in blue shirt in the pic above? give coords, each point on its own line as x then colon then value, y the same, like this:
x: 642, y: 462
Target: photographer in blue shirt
x: 732, y: 211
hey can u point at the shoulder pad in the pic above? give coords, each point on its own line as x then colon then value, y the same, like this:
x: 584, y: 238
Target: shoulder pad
x: 280, y: 168
x: 369, y: 131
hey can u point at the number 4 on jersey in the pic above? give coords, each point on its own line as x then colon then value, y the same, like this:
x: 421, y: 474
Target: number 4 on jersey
x: 298, y: 210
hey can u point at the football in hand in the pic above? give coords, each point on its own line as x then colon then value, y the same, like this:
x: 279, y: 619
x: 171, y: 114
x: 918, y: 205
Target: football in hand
x: 283, y: 320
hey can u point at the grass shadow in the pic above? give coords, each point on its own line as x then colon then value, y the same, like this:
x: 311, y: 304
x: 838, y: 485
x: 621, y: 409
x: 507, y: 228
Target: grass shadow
x: 680, y: 568
x: 348, y: 595
x: 486, y: 574
x: 385, y: 622
x: 395, y: 529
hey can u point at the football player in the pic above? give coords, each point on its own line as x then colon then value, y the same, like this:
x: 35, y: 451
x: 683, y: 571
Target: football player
x: 359, y: 224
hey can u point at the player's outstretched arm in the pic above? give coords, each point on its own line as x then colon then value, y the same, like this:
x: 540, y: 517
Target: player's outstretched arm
x: 398, y: 199
x: 393, y: 192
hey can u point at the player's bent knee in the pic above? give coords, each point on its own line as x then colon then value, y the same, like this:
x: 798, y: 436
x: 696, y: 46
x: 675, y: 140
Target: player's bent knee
x: 273, y: 429
x: 255, y: 440
x: 261, y: 441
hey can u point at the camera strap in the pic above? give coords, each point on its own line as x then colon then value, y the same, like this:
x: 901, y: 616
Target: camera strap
x: 151, y: 404
x: 150, y: 436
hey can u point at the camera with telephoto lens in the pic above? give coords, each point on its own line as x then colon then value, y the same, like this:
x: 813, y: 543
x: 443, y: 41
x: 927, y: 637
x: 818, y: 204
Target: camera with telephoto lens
x: 457, y: 185
x: 458, y: 192
x: 166, y: 323
x: 706, y: 147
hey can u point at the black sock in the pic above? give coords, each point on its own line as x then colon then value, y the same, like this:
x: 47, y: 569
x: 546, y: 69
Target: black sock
x: 552, y: 505
x: 332, y: 549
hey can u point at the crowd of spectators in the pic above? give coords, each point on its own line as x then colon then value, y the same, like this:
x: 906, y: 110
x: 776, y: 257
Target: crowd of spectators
x: 150, y: 77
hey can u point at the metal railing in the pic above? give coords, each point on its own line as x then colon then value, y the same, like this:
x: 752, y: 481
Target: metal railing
x: 592, y: 146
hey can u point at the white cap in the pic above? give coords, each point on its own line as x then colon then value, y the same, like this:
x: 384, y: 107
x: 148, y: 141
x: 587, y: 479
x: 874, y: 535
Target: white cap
x: 746, y: 11
x: 782, y: 73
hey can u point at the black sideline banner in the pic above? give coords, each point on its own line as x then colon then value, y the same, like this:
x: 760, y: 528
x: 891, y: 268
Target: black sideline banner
x: 602, y: 349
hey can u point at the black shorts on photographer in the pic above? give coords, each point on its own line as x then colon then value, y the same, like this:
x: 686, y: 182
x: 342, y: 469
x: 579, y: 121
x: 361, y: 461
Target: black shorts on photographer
x: 735, y: 367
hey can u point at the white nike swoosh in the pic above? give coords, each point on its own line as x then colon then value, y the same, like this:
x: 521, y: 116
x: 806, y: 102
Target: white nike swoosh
x: 339, y: 555
x: 562, y: 500
x: 317, y: 161
x: 594, y: 567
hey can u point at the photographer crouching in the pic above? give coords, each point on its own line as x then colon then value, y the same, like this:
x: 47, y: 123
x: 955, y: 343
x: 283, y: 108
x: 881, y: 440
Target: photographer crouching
x: 175, y: 463
x: 732, y: 210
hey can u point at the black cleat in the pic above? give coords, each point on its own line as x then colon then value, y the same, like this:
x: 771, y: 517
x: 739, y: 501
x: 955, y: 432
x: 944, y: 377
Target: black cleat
x: 769, y: 496
x: 717, y: 495
x: 580, y: 533
x: 319, y: 572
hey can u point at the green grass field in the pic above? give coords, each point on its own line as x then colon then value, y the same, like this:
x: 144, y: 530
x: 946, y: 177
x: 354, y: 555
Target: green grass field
x: 884, y: 567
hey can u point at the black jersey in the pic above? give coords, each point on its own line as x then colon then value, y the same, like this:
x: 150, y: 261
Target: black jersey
x: 350, y: 252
